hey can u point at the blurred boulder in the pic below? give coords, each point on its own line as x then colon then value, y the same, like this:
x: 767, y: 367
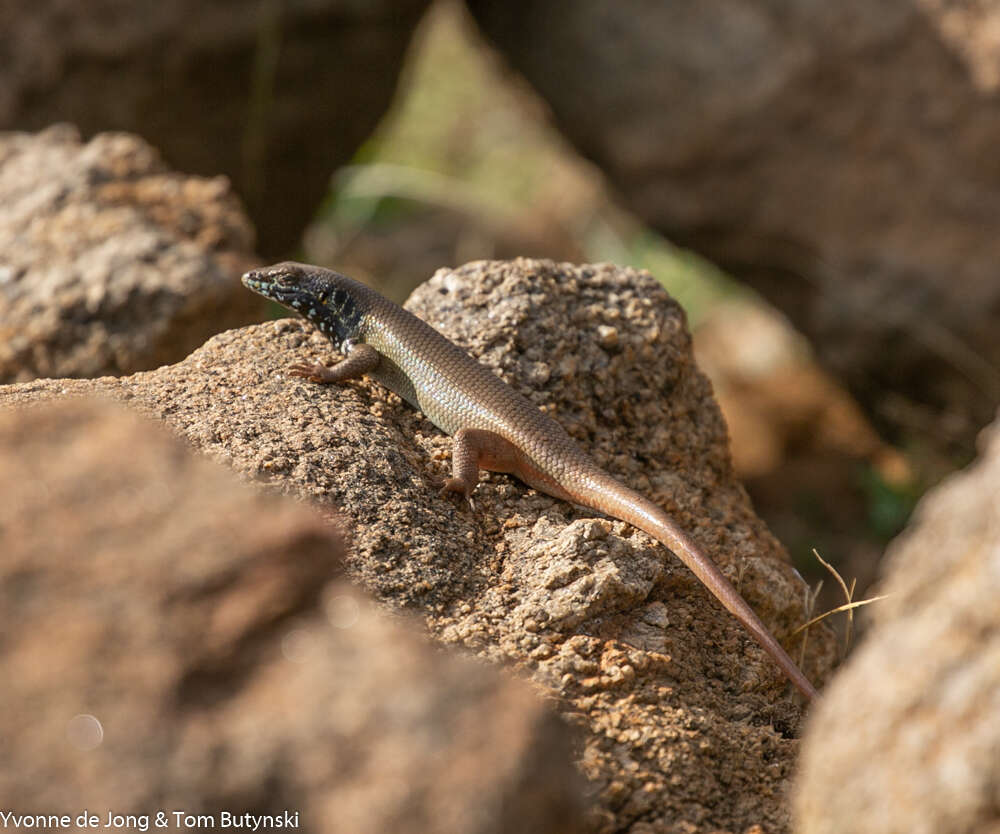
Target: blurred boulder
x: 906, y: 739
x: 816, y: 470
x: 274, y: 94
x: 840, y: 157
x: 173, y: 641
x: 109, y: 261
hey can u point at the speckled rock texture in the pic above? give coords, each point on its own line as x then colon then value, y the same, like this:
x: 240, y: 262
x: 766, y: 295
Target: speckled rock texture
x: 109, y: 262
x: 175, y: 640
x: 687, y: 726
x: 275, y: 94
x: 907, y: 740
x: 840, y: 157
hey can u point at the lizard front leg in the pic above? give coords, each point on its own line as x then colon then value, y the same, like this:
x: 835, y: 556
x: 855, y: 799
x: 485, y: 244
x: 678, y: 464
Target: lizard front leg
x: 360, y: 359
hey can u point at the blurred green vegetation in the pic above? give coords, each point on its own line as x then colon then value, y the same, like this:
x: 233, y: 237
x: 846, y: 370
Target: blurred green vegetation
x: 468, y: 143
x: 890, y: 504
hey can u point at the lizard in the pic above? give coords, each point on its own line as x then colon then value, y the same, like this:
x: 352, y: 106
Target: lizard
x: 493, y: 426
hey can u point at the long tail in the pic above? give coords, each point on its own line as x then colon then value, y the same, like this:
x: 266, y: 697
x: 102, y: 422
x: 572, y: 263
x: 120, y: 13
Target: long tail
x: 624, y: 504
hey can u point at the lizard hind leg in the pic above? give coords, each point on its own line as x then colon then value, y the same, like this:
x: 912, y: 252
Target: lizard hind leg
x: 476, y: 449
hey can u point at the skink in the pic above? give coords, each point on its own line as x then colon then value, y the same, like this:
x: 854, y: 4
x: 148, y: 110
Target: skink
x: 493, y: 426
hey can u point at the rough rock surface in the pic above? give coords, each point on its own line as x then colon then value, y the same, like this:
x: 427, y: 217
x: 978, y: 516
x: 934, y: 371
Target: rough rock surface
x: 689, y: 727
x: 273, y: 94
x: 907, y: 740
x: 841, y: 157
x: 109, y: 262
x: 172, y: 640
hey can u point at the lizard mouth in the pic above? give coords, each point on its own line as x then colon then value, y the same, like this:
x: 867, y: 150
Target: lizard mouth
x: 269, y: 284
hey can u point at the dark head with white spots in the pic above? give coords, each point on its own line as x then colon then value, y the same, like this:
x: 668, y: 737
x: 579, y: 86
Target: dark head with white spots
x: 331, y: 301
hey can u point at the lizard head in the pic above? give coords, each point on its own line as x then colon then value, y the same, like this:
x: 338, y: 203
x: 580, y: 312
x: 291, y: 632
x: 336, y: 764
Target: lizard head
x: 329, y: 300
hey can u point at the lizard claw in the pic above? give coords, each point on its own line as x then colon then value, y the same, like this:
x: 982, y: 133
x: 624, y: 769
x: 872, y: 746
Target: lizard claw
x: 453, y: 486
x: 313, y: 372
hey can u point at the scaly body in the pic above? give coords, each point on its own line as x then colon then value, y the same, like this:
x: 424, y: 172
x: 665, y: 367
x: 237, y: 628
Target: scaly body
x: 494, y: 427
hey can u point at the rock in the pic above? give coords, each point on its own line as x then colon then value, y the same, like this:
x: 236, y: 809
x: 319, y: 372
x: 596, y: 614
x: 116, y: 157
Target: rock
x: 173, y: 641
x: 111, y: 263
x: 777, y: 403
x: 840, y: 157
x: 275, y: 95
x: 685, y: 719
x: 906, y: 738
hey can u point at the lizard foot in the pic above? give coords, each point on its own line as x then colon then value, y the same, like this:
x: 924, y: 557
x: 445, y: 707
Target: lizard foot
x: 314, y: 372
x: 455, y: 487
